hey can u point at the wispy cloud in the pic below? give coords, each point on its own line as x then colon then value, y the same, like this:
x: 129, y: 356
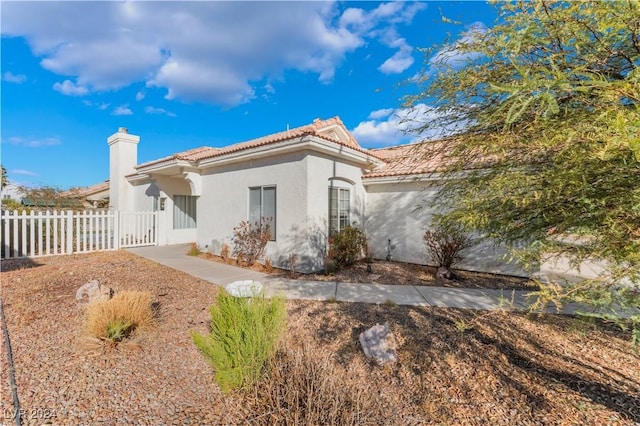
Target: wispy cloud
x: 140, y: 95
x: 388, y: 127
x: 22, y: 172
x: 70, y: 88
x: 10, y: 77
x: 33, y: 142
x: 122, y: 110
x: 98, y: 105
x: 159, y: 111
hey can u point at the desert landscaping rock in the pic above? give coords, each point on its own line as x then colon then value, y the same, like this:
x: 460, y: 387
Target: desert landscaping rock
x: 380, y: 344
x: 93, y: 291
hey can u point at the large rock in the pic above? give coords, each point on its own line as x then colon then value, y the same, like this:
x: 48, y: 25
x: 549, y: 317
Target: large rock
x: 379, y: 343
x: 92, y: 291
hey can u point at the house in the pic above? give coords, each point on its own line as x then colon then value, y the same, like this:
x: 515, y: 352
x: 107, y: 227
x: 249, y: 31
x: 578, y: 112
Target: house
x: 94, y: 196
x: 12, y: 192
x: 311, y: 180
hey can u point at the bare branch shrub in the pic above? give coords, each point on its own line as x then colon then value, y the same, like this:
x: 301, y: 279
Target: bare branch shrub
x: 250, y: 240
x: 445, y: 244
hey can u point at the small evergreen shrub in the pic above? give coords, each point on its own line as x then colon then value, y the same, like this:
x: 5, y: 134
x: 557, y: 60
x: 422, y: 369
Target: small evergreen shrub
x: 114, y: 320
x: 244, y: 335
x: 250, y: 240
x: 347, y: 246
x: 444, y: 245
x: 193, y: 250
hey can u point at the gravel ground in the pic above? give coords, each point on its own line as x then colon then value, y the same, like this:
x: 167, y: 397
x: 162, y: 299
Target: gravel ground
x: 455, y: 367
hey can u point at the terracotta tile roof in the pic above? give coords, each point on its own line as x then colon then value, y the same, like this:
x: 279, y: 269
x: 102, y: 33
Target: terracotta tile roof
x: 411, y: 159
x: 427, y: 157
x: 86, y: 191
x: 318, y: 129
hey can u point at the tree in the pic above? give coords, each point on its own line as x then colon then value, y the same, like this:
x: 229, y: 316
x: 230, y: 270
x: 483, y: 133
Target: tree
x: 550, y: 148
x: 5, y: 179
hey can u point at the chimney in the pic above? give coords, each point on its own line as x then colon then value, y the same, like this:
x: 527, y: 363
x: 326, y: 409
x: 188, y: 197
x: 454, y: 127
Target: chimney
x: 123, y: 158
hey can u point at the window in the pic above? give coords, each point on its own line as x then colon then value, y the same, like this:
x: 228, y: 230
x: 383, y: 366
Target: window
x: 262, y: 204
x: 338, y: 209
x: 184, y: 211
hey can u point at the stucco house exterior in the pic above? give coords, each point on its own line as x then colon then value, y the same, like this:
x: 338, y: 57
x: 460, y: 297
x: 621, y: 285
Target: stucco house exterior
x: 311, y: 180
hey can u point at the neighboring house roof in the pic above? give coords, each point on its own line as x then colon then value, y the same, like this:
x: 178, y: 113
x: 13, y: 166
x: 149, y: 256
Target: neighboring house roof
x: 332, y: 130
x: 97, y: 191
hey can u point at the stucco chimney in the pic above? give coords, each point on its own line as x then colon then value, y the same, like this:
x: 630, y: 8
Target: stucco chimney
x: 123, y: 157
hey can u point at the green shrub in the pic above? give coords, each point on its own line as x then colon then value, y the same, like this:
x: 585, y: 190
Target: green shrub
x: 347, y: 246
x: 193, y: 250
x: 244, y: 335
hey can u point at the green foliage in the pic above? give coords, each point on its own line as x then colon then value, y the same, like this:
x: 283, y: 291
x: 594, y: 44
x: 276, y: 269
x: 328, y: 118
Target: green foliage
x: 5, y: 180
x: 244, y: 335
x: 250, y: 240
x: 118, y: 329
x: 445, y: 244
x: 550, y: 99
x: 11, y: 204
x: 193, y: 250
x: 347, y: 246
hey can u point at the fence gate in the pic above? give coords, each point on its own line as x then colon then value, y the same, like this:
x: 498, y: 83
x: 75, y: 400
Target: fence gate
x: 137, y: 229
x: 50, y: 233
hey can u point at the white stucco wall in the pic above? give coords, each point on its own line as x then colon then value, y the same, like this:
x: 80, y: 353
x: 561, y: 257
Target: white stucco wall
x: 164, y: 187
x: 302, y: 180
x: 392, y: 215
x: 225, y: 202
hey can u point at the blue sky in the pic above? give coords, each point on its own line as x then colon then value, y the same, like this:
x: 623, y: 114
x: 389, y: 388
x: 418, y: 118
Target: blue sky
x: 188, y: 74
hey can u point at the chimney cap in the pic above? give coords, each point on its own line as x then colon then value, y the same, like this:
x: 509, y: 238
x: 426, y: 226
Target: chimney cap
x: 123, y: 130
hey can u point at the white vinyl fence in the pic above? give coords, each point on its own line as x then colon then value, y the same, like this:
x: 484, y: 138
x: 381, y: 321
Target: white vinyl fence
x: 50, y: 233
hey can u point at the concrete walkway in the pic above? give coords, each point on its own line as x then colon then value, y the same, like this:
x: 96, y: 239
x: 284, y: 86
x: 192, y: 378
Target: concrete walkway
x: 220, y: 274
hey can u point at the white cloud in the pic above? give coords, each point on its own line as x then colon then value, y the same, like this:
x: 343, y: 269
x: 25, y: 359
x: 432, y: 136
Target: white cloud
x: 388, y: 127
x: 98, y: 105
x: 399, y: 62
x: 122, y: 110
x: 70, y: 88
x: 10, y: 77
x: 33, y: 142
x: 201, y: 50
x: 22, y: 172
x: 161, y: 111
x: 140, y: 95
x: 451, y: 56
x: 381, y: 113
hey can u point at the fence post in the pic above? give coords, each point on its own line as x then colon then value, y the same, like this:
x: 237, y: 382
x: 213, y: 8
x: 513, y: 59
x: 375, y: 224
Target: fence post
x: 116, y: 229
x: 69, y: 226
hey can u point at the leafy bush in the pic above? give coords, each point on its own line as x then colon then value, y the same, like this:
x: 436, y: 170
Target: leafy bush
x: 250, y: 240
x: 444, y: 245
x: 116, y: 319
x: 302, y: 386
x: 244, y: 335
x: 347, y: 246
